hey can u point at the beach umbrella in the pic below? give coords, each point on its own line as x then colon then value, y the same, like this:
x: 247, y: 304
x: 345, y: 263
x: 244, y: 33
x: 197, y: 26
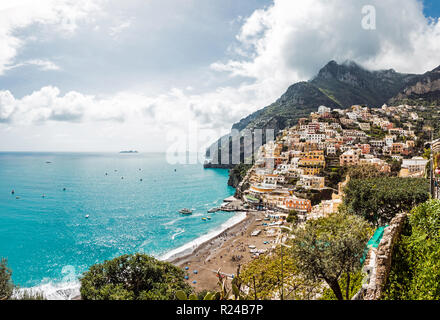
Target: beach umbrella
x: 186, y: 268
x: 186, y: 277
x: 194, y: 281
x: 196, y: 272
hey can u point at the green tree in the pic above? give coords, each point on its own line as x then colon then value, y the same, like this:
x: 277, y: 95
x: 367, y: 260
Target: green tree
x: 6, y: 284
x: 292, y: 217
x: 330, y: 247
x: 266, y: 279
x: 378, y: 200
x: 133, y: 277
x: 364, y: 171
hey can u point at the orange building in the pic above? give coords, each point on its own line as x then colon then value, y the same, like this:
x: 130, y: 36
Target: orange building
x: 294, y: 203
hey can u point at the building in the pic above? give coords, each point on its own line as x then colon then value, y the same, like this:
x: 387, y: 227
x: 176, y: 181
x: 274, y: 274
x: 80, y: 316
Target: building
x: 295, y: 203
x: 413, y: 167
x: 312, y: 182
x: 349, y: 158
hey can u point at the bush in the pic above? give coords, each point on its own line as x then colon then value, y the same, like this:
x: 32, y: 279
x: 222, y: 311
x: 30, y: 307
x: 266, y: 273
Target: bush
x: 133, y: 277
x: 415, y: 270
x: 378, y: 200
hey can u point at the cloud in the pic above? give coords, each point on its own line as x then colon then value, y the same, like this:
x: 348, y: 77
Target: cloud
x: 116, y: 30
x: 62, y: 15
x: 44, y: 65
x: 290, y: 40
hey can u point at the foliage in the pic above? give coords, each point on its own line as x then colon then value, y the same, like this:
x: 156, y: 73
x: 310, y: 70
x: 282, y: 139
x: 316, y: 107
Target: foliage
x: 6, y: 284
x: 365, y: 171
x: 133, y: 277
x: 265, y: 280
x: 292, y: 217
x: 378, y: 200
x: 354, y: 283
x: 329, y: 247
x: 415, y: 271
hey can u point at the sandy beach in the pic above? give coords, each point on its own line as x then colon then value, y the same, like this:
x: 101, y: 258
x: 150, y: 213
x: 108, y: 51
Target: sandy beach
x: 226, y: 252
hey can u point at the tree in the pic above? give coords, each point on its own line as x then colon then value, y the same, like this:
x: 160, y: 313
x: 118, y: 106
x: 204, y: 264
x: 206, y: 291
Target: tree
x: 329, y: 247
x: 133, y: 277
x: 364, y: 171
x: 292, y: 217
x: 265, y: 280
x: 6, y: 284
x: 378, y: 200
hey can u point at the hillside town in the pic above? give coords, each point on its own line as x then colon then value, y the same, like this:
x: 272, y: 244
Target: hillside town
x: 303, y: 169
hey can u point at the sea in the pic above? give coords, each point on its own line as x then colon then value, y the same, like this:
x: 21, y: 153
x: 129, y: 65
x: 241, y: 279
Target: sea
x: 72, y: 210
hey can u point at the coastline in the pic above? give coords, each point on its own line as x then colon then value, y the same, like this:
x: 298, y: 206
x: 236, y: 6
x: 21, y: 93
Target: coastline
x: 191, y: 247
x: 180, y: 255
x: 226, y: 253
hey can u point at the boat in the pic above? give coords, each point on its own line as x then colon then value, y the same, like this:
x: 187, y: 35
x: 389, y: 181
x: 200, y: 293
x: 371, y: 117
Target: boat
x: 185, y: 211
x: 212, y: 210
x: 204, y: 219
x: 209, y: 218
x: 87, y: 216
x: 13, y: 192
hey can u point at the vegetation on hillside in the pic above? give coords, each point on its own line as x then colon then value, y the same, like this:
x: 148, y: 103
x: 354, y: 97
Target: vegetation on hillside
x: 378, y: 200
x: 266, y: 279
x: 415, y: 270
x: 133, y: 277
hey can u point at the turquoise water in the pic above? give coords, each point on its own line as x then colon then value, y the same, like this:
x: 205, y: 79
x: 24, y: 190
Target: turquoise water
x: 49, y: 240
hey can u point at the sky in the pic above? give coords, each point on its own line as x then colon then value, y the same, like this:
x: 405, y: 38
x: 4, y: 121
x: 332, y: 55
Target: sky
x: 150, y: 75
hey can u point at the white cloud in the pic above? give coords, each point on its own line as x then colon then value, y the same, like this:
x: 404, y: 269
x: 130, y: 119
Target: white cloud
x: 63, y: 15
x: 276, y: 46
x: 290, y: 40
x: 116, y: 30
x: 44, y: 65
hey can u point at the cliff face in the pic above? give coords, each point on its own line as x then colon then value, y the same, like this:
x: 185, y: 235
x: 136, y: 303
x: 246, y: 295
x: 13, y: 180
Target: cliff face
x: 425, y: 87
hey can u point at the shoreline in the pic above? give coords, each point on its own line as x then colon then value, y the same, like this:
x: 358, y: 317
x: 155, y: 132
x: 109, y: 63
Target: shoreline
x: 191, y: 247
x: 70, y: 290
x: 226, y: 253
x: 222, y: 234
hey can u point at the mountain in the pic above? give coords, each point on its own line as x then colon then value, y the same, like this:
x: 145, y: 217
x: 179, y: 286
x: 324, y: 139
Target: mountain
x: 424, y: 88
x: 341, y: 86
x: 335, y: 86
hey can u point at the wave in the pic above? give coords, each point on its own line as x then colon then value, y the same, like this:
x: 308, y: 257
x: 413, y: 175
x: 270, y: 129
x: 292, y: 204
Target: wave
x: 54, y: 291
x: 178, y: 231
x: 189, y: 247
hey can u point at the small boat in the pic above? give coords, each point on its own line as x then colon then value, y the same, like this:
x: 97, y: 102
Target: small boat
x: 13, y: 192
x: 185, y: 211
x: 204, y: 219
x: 209, y: 218
x: 141, y: 180
x: 87, y: 216
x: 64, y: 189
x: 43, y: 196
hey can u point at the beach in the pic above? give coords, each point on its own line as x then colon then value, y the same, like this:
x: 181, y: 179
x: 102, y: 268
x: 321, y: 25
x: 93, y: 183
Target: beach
x: 226, y: 252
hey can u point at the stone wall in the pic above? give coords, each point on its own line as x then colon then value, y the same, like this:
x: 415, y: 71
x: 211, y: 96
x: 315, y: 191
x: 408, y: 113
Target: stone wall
x: 378, y: 262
